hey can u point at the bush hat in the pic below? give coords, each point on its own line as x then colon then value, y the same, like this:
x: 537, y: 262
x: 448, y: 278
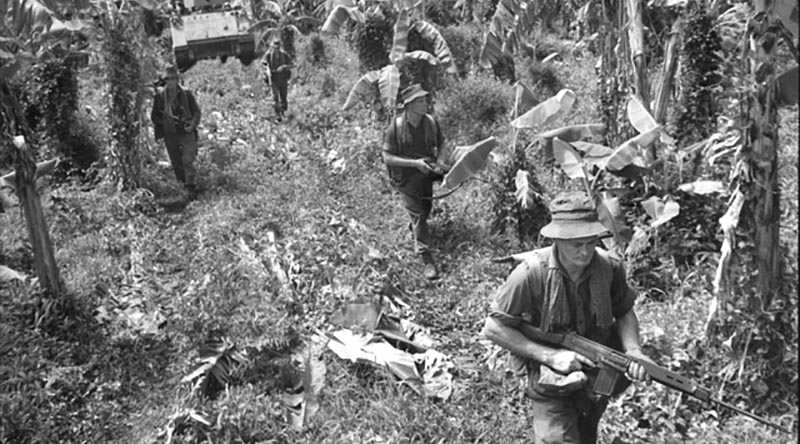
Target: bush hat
x: 573, y: 217
x: 412, y: 92
x: 171, y: 71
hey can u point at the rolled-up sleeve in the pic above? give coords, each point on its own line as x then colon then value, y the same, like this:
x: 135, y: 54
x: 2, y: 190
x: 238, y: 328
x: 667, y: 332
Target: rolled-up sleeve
x: 512, y: 303
x: 623, y: 297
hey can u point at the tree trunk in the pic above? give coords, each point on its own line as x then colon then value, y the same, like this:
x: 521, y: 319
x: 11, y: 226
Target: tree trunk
x: 12, y: 136
x: 614, y: 74
x: 44, y: 259
x: 123, y: 66
x: 637, y: 50
x: 760, y: 155
x: 664, y: 90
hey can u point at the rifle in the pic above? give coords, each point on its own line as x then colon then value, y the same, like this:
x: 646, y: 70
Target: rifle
x: 613, y: 364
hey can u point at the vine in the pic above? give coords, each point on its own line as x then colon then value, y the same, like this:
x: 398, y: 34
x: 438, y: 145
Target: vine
x: 700, y: 79
x: 123, y: 71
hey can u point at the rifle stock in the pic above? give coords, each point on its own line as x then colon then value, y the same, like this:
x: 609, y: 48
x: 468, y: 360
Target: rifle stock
x: 613, y: 364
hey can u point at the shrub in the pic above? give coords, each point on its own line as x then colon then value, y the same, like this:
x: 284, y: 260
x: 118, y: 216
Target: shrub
x: 507, y: 214
x: 504, y: 69
x: 465, y: 45
x: 418, y: 71
x: 50, y: 103
x: 315, y: 50
x: 544, y: 80
x: 372, y: 41
x: 472, y: 108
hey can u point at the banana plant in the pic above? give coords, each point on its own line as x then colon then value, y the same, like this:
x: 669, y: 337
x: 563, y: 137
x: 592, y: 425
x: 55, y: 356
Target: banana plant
x: 512, y: 20
x: 275, y: 15
x: 388, y: 78
x: 587, y: 161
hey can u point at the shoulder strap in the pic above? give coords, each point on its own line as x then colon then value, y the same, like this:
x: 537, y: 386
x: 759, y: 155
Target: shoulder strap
x: 398, y: 121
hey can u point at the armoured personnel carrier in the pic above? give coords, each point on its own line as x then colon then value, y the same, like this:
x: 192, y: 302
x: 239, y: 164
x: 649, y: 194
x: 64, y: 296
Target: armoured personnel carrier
x: 207, y: 29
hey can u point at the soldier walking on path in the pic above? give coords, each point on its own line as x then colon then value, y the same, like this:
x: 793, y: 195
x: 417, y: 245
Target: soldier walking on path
x: 412, y: 147
x: 175, y: 117
x: 276, y: 67
x: 572, y: 286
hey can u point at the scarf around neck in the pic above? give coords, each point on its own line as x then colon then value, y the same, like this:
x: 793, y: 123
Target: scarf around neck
x: 556, y: 311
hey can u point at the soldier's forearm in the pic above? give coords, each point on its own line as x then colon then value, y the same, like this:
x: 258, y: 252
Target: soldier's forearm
x: 628, y: 329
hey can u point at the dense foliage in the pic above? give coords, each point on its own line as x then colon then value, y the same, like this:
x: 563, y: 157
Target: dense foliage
x: 699, y: 78
x: 50, y: 95
x: 372, y: 41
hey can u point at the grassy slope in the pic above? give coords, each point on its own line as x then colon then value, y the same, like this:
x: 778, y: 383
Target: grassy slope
x: 342, y: 237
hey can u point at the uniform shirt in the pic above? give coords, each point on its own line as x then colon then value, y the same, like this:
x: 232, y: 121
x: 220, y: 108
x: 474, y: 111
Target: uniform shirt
x: 540, y: 292
x: 275, y: 58
x: 184, y: 107
x: 405, y: 140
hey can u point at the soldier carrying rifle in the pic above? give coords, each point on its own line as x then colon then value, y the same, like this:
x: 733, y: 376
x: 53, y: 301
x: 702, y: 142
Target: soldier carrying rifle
x: 175, y: 117
x: 572, y: 286
x: 412, y: 147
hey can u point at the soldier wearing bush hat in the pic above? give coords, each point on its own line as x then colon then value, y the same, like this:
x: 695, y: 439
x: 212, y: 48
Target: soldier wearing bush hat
x: 412, y: 147
x: 175, y: 117
x: 571, y: 286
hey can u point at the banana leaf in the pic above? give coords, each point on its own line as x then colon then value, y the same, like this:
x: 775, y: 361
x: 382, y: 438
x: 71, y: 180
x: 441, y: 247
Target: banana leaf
x: 568, y: 159
x: 400, y: 37
x: 639, y: 117
x: 570, y: 134
x: 339, y: 15
x: 524, y: 193
x: 546, y: 112
x: 388, y: 80
x: 471, y: 161
x: 492, y: 50
x: 361, y: 89
x: 440, y: 48
x: 628, y: 159
x: 660, y: 211
x: 593, y: 154
x: 524, y: 100
x: 422, y: 55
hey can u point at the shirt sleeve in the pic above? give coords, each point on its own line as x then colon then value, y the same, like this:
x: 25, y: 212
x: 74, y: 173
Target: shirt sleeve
x: 389, y: 140
x: 194, y: 108
x: 513, y: 301
x: 439, y: 136
x: 623, y: 297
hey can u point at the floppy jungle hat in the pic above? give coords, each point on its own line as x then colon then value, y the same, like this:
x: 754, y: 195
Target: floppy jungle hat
x: 412, y: 92
x: 171, y: 71
x: 573, y: 217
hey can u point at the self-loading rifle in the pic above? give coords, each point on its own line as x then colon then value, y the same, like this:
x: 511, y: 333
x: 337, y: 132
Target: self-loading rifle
x: 613, y: 364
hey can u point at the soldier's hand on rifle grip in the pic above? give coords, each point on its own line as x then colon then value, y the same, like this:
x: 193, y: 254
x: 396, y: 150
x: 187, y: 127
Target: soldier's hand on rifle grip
x: 567, y: 361
x: 423, y: 166
x: 637, y: 372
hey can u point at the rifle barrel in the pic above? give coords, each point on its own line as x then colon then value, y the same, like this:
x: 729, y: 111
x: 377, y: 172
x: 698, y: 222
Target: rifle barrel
x: 751, y: 415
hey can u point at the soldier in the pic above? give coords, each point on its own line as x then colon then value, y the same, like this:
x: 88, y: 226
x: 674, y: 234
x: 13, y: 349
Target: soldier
x: 277, y: 68
x: 572, y: 286
x: 175, y: 117
x: 412, y: 146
